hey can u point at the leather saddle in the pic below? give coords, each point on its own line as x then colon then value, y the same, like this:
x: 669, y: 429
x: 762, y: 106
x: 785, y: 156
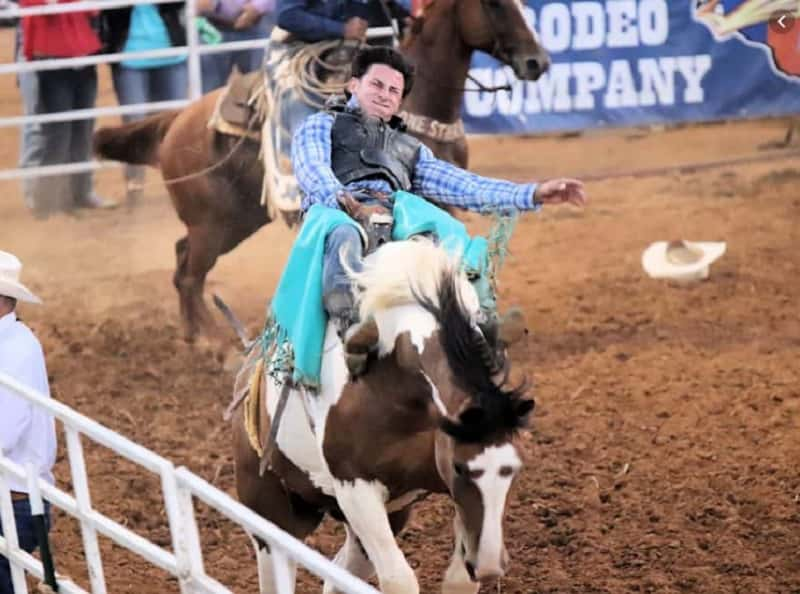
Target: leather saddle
x: 237, y: 106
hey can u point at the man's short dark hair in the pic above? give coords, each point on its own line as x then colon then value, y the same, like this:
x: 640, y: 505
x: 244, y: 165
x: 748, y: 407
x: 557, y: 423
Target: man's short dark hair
x: 368, y: 56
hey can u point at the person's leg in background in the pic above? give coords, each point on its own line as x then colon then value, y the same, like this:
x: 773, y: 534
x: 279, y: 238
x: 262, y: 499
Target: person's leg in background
x: 132, y: 86
x: 26, y: 536
x: 31, y: 145
x: 52, y: 193
x: 251, y: 59
x: 80, y: 148
x: 161, y: 83
x: 216, y: 68
x: 169, y: 83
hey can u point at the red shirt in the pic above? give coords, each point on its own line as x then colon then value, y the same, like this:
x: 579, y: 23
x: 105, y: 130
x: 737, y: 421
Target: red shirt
x: 67, y: 35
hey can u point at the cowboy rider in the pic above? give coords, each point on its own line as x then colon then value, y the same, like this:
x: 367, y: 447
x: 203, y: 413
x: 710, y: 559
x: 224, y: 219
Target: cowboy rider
x: 347, y: 155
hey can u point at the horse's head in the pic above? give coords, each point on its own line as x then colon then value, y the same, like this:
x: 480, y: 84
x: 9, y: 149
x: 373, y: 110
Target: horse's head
x: 499, y: 28
x: 475, y: 452
x: 436, y: 339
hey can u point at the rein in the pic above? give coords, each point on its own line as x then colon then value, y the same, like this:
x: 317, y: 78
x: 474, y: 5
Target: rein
x: 497, y: 52
x: 481, y: 88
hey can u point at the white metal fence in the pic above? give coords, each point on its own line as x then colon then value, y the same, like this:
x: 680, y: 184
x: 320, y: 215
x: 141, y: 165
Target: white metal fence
x: 179, y: 486
x: 193, y: 50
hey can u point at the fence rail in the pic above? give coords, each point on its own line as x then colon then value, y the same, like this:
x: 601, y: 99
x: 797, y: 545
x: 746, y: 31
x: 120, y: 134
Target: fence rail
x: 192, y: 50
x: 179, y: 486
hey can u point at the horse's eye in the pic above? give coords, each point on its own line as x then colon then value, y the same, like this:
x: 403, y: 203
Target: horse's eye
x: 460, y: 469
x: 506, y: 471
x: 475, y: 474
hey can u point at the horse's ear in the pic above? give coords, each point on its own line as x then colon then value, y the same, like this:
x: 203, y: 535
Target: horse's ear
x: 465, y: 428
x: 472, y: 416
x: 406, y: 353
x: 523, y: 408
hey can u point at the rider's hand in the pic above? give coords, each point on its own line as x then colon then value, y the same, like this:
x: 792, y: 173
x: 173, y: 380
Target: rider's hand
x: 350, y: 205
x: 205, y: 6
x: 355, y: 28
x: 558, y: 191
x: 359, y: 211
x: 247, y: 18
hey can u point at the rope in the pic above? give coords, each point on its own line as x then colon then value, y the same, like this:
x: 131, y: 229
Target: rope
x: 499, y: 236
x: 252, y: 416
x: 298, y: 72
x: 308, y: 60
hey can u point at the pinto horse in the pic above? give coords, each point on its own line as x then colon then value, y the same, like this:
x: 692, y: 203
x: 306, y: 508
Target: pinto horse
x: 221, y: 206
x: 429, y: 416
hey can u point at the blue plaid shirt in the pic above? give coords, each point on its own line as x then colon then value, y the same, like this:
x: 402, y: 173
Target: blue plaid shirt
x: 433, y: 178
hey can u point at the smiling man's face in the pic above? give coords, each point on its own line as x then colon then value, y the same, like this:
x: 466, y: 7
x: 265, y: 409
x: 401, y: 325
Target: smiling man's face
x: 379, y: 91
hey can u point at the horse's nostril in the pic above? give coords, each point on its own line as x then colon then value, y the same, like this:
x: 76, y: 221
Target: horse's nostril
x: 532, y: 65
x: 471, y: 571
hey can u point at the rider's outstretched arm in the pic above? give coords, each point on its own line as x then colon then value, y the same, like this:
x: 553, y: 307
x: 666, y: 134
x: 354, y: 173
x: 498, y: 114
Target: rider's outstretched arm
x: 445, y: 183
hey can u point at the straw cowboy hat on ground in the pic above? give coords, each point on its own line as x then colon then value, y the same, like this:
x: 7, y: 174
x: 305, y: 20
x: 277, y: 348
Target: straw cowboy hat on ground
x: 10, y: 270
x: 681, y: 260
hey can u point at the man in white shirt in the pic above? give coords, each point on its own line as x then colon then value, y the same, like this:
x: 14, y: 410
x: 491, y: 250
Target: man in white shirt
x: 27, y: 433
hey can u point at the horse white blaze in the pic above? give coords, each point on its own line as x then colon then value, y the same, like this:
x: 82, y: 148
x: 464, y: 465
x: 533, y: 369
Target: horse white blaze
x: 499, y: 465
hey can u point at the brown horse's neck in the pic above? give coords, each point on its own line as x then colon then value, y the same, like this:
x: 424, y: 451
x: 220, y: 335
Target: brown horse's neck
x: 442, y: 63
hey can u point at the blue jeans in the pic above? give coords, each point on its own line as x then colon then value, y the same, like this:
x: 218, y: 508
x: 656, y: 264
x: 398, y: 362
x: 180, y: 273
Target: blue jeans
x: 31, y: 141
x: 26, y: 536
x: 218, y: 67
x: 334, y: 276
x: 145, y: 85
x: 65, y: 142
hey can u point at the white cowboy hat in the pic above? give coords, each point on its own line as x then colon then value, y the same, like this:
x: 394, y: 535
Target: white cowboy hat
x: 10, y: 269
x: 681, y: 260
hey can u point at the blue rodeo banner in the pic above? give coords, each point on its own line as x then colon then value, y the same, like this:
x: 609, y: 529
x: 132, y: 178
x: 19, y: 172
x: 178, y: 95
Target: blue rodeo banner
x: 631, y: 62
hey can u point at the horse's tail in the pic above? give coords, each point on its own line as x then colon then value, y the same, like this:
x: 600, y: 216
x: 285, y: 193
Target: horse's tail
x: 136, y: 143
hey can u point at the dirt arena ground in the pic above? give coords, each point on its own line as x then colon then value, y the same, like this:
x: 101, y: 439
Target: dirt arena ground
x: 663, y: 455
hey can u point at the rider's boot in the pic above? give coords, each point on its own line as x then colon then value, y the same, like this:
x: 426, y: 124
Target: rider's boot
x: 357, y: 338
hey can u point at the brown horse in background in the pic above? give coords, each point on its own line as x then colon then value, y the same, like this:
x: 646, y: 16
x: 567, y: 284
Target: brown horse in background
x: 221, y: 206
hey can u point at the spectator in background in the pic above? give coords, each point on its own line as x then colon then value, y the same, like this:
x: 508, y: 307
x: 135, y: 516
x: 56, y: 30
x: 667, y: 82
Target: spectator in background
x: 317, y: 20
x: 236, y: 20
x: 31, y: 143
x: 66, y: 35
x: 27, y: 433
x: 141, y: 28
x: 301, y: 22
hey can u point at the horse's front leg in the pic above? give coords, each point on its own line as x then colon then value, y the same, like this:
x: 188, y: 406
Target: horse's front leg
x: 269, y: 575
x: 352, y: 558
x: 364, y: 505
x: 456, y: 578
